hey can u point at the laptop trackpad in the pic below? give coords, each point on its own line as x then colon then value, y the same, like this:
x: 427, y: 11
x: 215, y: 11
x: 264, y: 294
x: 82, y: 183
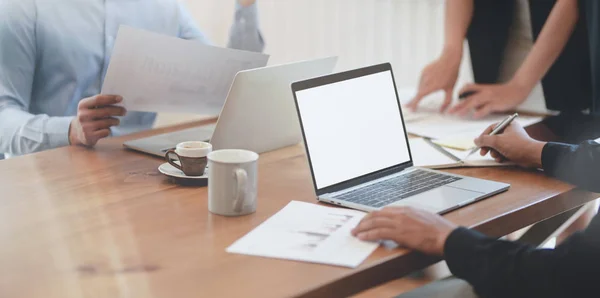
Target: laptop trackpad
x: 440, y: 199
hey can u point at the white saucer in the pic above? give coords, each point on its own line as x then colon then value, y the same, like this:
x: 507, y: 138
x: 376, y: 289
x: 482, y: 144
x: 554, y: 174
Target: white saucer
x: 174, y: 172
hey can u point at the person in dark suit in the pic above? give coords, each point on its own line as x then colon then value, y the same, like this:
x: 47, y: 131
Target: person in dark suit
x: 558, y: 55
x: 488, y: 267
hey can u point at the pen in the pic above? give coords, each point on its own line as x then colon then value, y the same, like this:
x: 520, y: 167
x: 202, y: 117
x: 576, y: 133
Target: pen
x: 441, y: 150
x: 499, y: 128
x: 466, y: 94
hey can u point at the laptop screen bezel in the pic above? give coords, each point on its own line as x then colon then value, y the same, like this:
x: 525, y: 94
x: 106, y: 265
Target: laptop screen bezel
x: 340, y: 77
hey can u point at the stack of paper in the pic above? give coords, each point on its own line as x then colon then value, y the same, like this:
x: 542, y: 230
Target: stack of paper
x: 308, y: 232
x: 159, y: 73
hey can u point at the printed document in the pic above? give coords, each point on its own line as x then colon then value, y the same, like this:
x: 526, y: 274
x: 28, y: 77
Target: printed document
x: 308, y: 232
x: 427, y: 121
x: 159, y: 73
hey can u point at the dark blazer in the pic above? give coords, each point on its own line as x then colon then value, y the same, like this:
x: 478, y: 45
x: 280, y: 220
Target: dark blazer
x: 567, y: 85
x: 512, y: 269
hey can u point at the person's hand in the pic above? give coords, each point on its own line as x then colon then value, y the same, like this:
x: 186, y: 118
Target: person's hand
x: 95, y: 117
x: 409, y: 227
x: 439, y: 75
x: 513, y: 144
x: 490, y: 98
x: 246, y: 2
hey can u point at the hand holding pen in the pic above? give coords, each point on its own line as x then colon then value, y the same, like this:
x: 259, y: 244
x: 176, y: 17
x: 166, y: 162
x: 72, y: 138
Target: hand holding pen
x: 512, y: 143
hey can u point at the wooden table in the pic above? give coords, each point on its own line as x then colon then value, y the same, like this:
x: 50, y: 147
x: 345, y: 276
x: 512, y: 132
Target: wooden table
x: 103, y: 222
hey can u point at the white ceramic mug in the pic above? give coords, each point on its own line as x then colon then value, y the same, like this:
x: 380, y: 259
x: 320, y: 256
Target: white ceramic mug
x: 232, y: 182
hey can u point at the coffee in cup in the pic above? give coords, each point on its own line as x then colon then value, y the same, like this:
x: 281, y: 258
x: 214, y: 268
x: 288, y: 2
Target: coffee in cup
x: 191, y: 156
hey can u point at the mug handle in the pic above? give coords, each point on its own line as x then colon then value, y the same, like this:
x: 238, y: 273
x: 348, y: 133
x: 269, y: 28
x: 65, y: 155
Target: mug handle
x: 240, y: 193
x: 167, y: 156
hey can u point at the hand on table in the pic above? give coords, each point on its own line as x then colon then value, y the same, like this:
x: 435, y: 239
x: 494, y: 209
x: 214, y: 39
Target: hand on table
x: 95, y: 117
x: 490, y: 98
x: 409, y: 227
x: 513, y: 144
x: 439, y: 75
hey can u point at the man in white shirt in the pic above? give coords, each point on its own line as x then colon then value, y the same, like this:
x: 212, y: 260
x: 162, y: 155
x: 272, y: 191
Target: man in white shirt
x: 54, y: 56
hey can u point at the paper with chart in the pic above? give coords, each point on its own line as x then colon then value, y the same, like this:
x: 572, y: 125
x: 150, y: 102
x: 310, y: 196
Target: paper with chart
x: 159, y: 73
x: 308, y: 232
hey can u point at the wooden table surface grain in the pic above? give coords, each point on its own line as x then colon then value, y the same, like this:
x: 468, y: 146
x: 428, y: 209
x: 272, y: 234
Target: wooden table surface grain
x: 77, y: 222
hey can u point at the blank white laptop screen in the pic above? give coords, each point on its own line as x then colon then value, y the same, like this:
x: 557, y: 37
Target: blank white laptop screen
x: 352, y: 128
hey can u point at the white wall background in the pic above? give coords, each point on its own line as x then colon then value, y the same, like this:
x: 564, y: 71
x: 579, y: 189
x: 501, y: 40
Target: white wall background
x: 407, y: 33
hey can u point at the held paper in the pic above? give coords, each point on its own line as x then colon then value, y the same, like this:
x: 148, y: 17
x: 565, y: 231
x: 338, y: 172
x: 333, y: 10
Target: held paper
x: 159, y: 73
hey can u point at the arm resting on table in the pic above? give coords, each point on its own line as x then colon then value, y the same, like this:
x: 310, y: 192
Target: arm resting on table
x: 498, y: 268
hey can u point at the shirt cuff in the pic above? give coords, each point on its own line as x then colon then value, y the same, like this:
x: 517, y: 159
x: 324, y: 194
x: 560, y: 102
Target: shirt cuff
x: 57, y: 130
x: 551, y: 156
x: 459, y: 249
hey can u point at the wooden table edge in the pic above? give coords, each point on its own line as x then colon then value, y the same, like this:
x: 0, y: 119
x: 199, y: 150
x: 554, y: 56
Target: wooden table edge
x: 395, y: 267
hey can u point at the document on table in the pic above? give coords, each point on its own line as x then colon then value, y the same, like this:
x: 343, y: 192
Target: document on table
x: 308, y: 232
x: 428, y: 106
x: 159, y: 73
x: 441, y: 126
x: 427, y: 155
x: 429, y: 123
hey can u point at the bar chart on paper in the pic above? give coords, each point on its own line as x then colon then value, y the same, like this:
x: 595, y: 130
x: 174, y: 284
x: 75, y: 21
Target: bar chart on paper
x: 310, y: 233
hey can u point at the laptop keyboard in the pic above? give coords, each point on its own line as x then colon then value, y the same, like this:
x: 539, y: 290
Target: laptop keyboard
x: 397, y: 188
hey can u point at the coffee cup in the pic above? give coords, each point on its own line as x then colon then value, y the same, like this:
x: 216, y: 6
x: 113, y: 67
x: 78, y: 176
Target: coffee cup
x: 232, y: 182
x: 191, y: 156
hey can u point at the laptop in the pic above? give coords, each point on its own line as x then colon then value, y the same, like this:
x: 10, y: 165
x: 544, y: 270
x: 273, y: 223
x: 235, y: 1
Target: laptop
x: 258, y: 115
x: 358, y: 150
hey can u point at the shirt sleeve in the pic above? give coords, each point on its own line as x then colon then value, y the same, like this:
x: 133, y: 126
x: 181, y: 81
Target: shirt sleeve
x: 498, y: 268
x: 20, y: 131
x: 244, y: 34
x: 575, y: 164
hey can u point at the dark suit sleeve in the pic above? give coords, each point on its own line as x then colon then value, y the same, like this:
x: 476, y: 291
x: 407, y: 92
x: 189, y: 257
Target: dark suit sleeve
x: 575, y: 164
x: 498, y: 268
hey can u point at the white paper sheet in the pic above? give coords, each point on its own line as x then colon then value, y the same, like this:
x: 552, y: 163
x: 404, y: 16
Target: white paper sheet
x: 308, y: 232
x: 428, y: 122
x: 443, y: 126
x: 160, y: 73
x: 425, y: 155
x: 430, y: 105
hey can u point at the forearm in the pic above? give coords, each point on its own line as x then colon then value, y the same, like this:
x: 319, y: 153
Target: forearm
x: 23, y: 133
x: 457, y: 19
x: 576, y: 164
x: 245, y: 33
x: 553, y: 38
x: 508, y: 269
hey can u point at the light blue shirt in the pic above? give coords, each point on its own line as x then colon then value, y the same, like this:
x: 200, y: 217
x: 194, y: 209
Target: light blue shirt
x: 53, y: 53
